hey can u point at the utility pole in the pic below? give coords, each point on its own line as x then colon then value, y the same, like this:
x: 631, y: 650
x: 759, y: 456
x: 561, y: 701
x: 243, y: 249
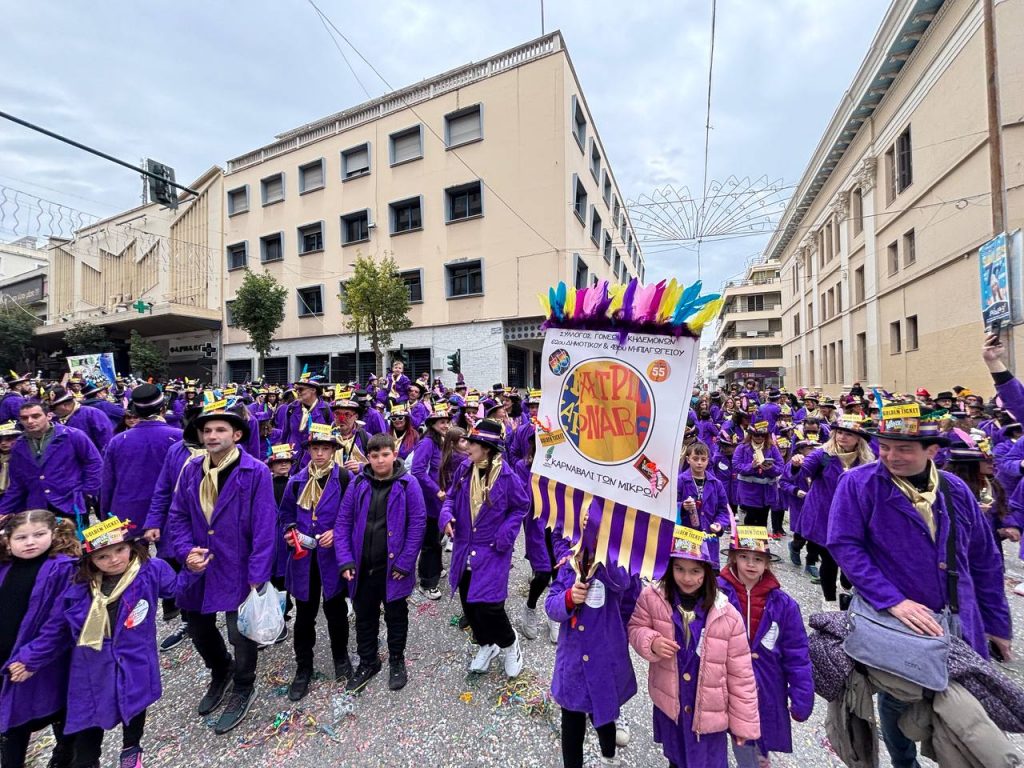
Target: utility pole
x: 542, y: 18
x: 995, y: 134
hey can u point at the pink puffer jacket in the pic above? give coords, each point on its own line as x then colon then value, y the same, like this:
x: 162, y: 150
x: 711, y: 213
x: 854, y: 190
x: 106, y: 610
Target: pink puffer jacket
x: 726, y: 691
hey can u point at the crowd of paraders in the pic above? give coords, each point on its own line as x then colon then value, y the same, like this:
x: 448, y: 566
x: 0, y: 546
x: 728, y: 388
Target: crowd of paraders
x: 129, y: 507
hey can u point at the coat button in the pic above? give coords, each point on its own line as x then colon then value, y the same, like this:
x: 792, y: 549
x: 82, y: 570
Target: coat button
x: 390, y: 533
x: 686, y: 677
x: 582, y: 627
x: 687, y: 709
x: 586, y: 657
x: 42, y: 477
x: 942, y: 566
x: 46, y: 490
x: 753, y: 655
x: 391, y: 555
x: 210, y: 532
x: 473, y: 553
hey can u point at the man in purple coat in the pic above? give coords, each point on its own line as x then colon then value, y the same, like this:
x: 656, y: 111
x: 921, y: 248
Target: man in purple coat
x: 888, y: 531
x: 306, y: 409
x: 18, y: 388
x: 51, y: 467
x: 70, y: 413
x: 95, y: 396
x: 222, y: 525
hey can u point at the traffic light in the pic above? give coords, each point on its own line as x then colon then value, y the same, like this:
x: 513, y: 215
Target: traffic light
x: 160, y: 191
x: 455, y: 361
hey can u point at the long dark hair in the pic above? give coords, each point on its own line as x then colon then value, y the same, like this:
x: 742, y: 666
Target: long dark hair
x: 87, y: 570
x: 970, y: 473
x: 433, y: 434
x: 448, y: 448
x: 708, y: 591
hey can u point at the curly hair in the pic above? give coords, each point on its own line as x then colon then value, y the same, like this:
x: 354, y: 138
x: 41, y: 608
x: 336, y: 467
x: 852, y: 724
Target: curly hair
x: 65, y: 542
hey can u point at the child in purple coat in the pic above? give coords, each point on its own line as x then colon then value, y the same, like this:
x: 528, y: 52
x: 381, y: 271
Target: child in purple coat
x: 540, y: 554
x: 778, y: 644
x: 106, y: 620
x: 593, y: 673
x: 758, y: 464
x: 793, y: 488
x: 37, y: 559
x: 426, y: 468
x: 702, y: 499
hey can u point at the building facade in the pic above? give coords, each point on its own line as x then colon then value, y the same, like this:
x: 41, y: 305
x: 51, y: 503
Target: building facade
x: 24, y: 272
x: 748, y: 336
x: 486, y: 184
x: 879, y: 246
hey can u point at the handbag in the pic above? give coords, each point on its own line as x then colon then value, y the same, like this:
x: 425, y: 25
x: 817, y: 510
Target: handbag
x: 880, y: 640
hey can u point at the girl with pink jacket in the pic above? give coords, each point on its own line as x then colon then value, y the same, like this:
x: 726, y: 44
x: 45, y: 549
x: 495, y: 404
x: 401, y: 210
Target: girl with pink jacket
x: 701, y: 679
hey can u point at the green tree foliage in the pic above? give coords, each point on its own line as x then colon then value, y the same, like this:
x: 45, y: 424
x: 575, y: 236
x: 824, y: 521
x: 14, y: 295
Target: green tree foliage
x: 16, y: 326
x: 84, y: 338
x: 258, y: 309
x: 376, y: 301
x: 146, y: 358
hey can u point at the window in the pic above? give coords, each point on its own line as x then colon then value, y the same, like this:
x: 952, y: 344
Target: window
x: 826, y: 234
x: 464, y: 201
x: 810, y: 315
x: 755, y: 303
x: 824, y: 308
x: 238, y: 256
x: 239, y: 370
x: 624, y: 238
x: 595, y: 226
x: 406, y: 145
x: 582, y: 273
x: 355, y: 227
x: 311, y: 301
x: 857, y: 210
x: 893, y: 252
x: 272, y: 247
x: 229, y: 313
x: 608, y: 191
x: 617, y: 268
x: 272, y: 189
x: 311, y: 238
x: 579, y: 200
x: 889, y: 169
x: 607, y: 240
x: 406, y: 215
x: 595, y: 161
x: 810, y: 367
x: 912, y: 332
x: 862, y: 356
x: 579, y: 124
x: 858, y: 285
x: 275, y: 371
x: 796, y: 324
x: 839, y: 297
x: 465, y: 279
x: 238, y: 200
x: 616, y: 219
x: 895, y: 339
x: 463, y: 126
x: 824, y: 364
x: 413, y: 280
x: 909, y: 248
x: 840, y: 365
x: 904, y: 161
x: 355, y: 162
x: 311, y: 176
x: 342, y: 299
x: 831, y: 302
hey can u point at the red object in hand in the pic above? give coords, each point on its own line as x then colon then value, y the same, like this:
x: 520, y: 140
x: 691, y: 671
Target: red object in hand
x: 300, y: 551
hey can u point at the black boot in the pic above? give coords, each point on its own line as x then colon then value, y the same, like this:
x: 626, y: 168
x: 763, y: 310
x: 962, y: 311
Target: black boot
x: 397, y: 675
x: 342, y: 669
x: 300, y: 685
x: 215, y: 692
x: 364, y: 673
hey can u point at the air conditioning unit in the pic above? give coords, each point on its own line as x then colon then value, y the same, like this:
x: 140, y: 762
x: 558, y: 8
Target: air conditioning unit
x: 751, y: 334
x: 437, y: 363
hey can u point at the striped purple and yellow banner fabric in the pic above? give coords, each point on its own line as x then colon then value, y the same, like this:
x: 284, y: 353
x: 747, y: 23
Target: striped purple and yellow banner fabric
x: 636, y: 540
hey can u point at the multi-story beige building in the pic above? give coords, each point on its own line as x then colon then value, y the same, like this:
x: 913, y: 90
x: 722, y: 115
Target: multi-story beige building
x: 879, y: 246
x: 150, y: 269
x: 748, y: 337
x: 486, y: 184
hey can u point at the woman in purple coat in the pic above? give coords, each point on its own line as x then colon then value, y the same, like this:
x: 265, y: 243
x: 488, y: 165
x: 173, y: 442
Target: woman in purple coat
x: 721, y: 468
x: 847, y: 447
x: 482, y: 514
x: 37, y: 559
x: 757, y: 464
x: 593, y: 673
x: 793, y: 488
x: 778, y: 641
x: 426, y: 468
x: 107, y: 621
x: 404, y: 434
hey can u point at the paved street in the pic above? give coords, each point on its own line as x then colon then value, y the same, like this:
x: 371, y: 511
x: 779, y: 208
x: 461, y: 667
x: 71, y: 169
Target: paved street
x: 443, y: 718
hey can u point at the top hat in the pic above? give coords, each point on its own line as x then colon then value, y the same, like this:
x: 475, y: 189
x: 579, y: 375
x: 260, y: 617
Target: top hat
x: 906, y: 422
x: 749, y: 538
x: 487, y: 432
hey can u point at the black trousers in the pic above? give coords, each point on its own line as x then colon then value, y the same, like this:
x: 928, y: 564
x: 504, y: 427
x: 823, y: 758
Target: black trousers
x: 370, y: 595
x: 202, y: 628
x: 89, y: 743
x: 813, y: 551
x: 489, y: 621
x: 279, y: 585
x: 574, y: 731
x: 14, y: 742
x: 777, y: 517
x: 306, y: 612
x: 755, y: 516
x: 829, y: 573
x: 429, y: 567
x: 168, y: 603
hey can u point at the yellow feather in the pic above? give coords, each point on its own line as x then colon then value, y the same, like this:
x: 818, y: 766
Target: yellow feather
x: 570, y: 302
x: 708, y: 313
x: 617, y: 292
x: 669, y: 299
x: 545, y: 304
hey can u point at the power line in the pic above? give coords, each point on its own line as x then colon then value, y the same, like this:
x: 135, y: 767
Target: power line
x: 707, y: 122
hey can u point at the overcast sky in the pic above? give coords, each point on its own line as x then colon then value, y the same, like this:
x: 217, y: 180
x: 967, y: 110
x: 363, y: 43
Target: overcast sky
x: 195, y: 83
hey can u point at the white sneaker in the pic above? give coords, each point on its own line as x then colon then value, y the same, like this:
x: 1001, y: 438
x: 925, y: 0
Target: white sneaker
x: 448, y: 547
x: 513, y: 658
x: 431, y: 594
x: 553, y: 628
x: 529, y: 622
x: 1019, y: 589
x: 610, y: 760
x: 484, y: 656
x: 351, y: 609
x: 622, y: 734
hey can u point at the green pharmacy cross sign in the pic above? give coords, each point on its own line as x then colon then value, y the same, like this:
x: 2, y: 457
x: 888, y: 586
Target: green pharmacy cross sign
x: 141, y: 306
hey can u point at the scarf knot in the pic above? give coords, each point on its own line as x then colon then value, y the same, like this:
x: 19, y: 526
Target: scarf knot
x: 480, y: 486
x: 209, y: 489
x: 97, y: 621
x: 312, y: 491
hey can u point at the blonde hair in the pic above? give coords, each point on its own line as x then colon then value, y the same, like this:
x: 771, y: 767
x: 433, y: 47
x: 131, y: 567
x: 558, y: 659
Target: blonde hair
x: 864, y: 452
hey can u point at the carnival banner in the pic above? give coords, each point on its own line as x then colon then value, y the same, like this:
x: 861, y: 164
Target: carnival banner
x: 613, y: 413
x: 93, y: 367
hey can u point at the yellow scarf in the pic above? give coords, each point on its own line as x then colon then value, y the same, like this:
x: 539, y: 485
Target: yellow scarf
x: 307, y: 417
x: 479, y: 486
x: 312, y: 491
x: 5, y: 471
x: 97, y: 621
x: 349, y: 451
x: 208, y: 488
x: 848, y: 459
x: 923, y: 501
x: 758, y: 452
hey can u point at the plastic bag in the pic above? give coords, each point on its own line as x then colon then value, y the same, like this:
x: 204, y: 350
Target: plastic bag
x: 261, y: 616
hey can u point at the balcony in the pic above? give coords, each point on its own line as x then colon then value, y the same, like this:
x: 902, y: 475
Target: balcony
x: 749, y: 364
x: 735, y: 340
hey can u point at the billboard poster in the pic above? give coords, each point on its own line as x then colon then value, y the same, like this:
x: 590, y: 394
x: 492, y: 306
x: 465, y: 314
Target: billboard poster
x: 995, y: 281
x: 93, y: 367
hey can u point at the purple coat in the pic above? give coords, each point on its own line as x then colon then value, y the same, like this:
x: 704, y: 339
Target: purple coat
x: 756, y: 486
x: 821, y: 471
x: 113, y: 411
x: 45, y: 692
x: 240, y: 535
x: 1011, y: 393
x: 163, y: 490
x: 721, y: 467
x: 94, y: 423
x: 1008, y: 457
x: 10, y: 406
x: 707, y: 432
x: 113, y: 685
x: 418, y: 413
x: 534, y: 529
x: 373, y: 422
x: 426, y: 468
x: 593, y: 670
x: 782, y: 668
x: 407, y: 524
x: 769, y: 412
x: 484, y: 544
x: 131, y: 467
x: 313, y: 524
x: 712, y: 508
x: 291, y: 432
x: 400, y: 385
x: 882, y: 544
x: 68, y: 471
x: 790, y: 483
x: 519, y: 444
